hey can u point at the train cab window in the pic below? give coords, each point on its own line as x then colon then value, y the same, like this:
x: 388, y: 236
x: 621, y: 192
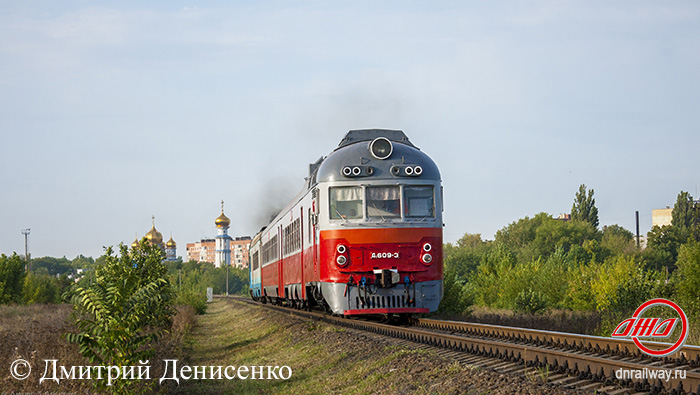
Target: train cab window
x: 419, y: 201
x: 383, y: 202
x: 346, y: 202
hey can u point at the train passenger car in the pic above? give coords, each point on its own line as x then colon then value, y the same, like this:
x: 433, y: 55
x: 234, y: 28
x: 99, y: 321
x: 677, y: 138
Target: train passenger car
x: 364, y: 236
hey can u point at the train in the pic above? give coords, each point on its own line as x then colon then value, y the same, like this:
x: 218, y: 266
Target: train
x: 363, y: 237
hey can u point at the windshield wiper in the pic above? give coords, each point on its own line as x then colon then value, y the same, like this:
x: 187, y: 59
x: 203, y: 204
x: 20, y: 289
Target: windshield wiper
x: 341, y: 215
x: 380, y: 216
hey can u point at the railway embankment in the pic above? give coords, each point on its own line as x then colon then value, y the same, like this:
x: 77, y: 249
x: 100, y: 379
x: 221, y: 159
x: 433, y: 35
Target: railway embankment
x: 325, y: 359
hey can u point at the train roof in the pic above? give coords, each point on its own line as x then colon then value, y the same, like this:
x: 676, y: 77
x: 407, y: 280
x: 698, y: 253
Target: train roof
x: 355, y: 136
x: 354, y: 150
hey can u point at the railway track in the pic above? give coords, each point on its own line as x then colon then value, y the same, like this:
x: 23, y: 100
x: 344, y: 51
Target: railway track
x: 587, y: 363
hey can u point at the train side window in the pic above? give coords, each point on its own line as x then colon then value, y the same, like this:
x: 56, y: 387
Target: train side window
x: 384, y: 202
x: 419, y: 201
x: 346, y: 202
x: 255, y: 261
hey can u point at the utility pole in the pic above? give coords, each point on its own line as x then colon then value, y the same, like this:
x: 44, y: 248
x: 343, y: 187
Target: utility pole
x: 637, y: 217
x: 25, y: 232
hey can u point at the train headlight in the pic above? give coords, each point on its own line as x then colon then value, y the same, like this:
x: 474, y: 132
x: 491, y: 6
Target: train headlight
x: 427, y: 247
x: 427, y: 258
x: 347, y: 171
x: 341, y: 260
x: 341, y: 249
x: 408, y: 170
x: 356, y: 171
x: 417, y: 170
x: 381, y: 148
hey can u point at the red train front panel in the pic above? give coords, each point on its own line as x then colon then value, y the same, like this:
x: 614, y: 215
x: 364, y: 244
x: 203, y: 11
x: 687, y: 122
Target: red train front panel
x: 382, y: 271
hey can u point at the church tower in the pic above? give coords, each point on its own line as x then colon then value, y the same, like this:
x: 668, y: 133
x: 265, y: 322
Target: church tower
x: 171, y: 250
x: 223, y: 240
x: 155, y: 237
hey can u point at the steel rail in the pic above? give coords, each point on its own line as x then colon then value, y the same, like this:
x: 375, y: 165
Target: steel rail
x: 687, y: 355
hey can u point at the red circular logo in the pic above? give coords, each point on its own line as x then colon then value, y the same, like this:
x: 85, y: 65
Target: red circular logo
x: 684, y: 332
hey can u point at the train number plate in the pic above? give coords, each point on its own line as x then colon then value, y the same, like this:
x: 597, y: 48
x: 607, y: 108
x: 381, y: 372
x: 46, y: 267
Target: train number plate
x: 384, y: 255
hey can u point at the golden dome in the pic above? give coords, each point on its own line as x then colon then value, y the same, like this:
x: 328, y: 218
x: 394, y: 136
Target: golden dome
x: 171, y: 243
x: 222, y: 221
x: 153, y: 235
x: 135, y: 244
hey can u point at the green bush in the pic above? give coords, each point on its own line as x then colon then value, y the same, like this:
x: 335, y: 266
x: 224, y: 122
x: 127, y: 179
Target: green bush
x: 688, y: 277
x: 529, y: 301
x: 579, y: 295
x: 621, y: 284
x: 457, y: 298
x: 41, y: 288
x: 197, y: 300
x: 11, y: 278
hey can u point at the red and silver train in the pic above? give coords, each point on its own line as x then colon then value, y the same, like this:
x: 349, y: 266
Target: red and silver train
x: 364, y: 236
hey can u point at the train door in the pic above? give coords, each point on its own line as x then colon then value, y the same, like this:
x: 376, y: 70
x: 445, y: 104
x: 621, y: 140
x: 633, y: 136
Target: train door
x: 301, y: 252
x: 314, y: 228
x: 280, y: 264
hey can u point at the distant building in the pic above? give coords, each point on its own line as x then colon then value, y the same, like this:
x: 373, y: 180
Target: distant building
x: 205, y: 251
x: 564, y: 217
x: 202, y: 251
x: 239, y: 250
x: 661, y: 216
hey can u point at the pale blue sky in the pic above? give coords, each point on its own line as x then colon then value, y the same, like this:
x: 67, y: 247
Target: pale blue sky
x: 111, y: 112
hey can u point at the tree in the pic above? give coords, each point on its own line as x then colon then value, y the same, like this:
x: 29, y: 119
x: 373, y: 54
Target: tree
x: 11, y: 278
x: 688, y: 275
x: 682, y: 214
x: 41, y: 288
x: 522, y: 232
x: 124, y: 311
x: 662, y: 248
x: 584, y: 208
x: 52, y: 265
x: 82, y: 262
x: 565, y: 235
x: 618, y: 240
x: 685, y: 217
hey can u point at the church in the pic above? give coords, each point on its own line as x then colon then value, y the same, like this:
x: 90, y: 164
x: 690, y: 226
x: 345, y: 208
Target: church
x: 155, y: 237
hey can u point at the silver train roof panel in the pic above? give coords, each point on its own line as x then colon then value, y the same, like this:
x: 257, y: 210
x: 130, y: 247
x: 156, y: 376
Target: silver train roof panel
x: 355, y: 136
x: 354, y: 151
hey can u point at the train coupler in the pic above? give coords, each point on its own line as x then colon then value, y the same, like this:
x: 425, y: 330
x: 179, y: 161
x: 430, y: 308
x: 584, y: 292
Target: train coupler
x: 386, y: 277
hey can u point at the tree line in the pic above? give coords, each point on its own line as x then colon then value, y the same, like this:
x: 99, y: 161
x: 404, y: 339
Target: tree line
x: 50, y: 279
x: 539, y: 263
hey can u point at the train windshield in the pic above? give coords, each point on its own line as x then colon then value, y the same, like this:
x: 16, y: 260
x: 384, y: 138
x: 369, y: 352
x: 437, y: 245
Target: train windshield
x: 383, y: 202
x: 419, y: 202
x: 346, y: 202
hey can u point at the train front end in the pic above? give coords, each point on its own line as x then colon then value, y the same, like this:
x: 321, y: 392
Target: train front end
x: 379, y: 226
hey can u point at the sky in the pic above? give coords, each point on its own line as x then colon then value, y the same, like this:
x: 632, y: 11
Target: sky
x: 112, y: 112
